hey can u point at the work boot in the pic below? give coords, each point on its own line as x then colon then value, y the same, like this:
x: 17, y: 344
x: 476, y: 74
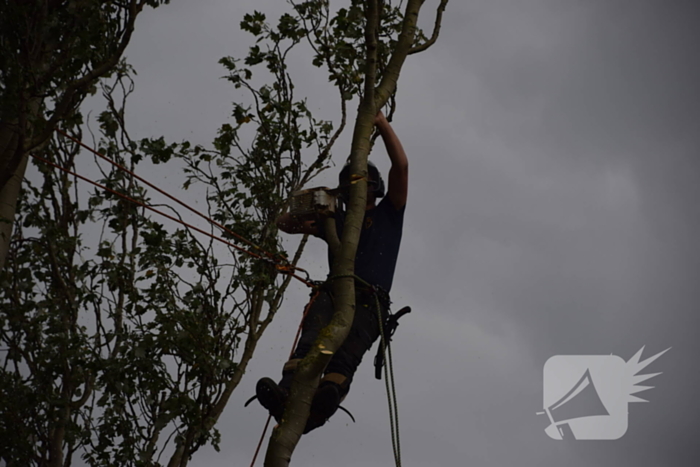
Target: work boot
x: 325, y: 403
x: 272, y: 397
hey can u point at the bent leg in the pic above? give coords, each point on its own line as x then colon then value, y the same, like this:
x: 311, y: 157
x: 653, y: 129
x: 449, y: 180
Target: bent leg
x: 363, y: 333
x: 335, y: 384
x: 319, y: 315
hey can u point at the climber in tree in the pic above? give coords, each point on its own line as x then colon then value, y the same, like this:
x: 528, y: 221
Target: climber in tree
x: 375, y: 262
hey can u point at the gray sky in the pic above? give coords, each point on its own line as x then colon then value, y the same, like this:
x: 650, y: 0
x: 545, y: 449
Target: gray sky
x: 553, y: 209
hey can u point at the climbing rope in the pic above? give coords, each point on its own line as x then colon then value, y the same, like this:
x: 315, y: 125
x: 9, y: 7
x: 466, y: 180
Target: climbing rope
x: 262, y: 438
x: 391, y: 394
x: 284, y: 268
x: 164, y: 193
x: 278, y: 261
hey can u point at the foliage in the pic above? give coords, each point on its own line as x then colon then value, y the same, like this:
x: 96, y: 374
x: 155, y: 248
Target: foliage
x: 52, y: 54
x: 54, y: 51
x: 127, y: 343
x: 121, y: 337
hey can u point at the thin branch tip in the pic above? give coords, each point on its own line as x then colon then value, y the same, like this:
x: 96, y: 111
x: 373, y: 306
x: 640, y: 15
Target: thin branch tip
x: 436, y: 30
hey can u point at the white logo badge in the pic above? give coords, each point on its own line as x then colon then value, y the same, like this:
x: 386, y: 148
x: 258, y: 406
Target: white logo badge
x: 586, y: 396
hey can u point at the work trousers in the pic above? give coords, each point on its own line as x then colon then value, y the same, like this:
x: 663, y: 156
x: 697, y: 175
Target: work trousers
x: 364, y: 331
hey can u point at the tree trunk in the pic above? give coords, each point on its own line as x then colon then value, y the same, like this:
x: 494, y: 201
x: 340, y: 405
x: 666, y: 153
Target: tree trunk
x: 8, y: 206
x: 8, y: 145
x: 308, y: 374
x: 12, y: 142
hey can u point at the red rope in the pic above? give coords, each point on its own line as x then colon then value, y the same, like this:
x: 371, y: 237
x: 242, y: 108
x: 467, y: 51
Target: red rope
x: 282, y: 268
x: 262, y: 437
x: 181, y: 203
x: 306, y: 312
x: 142, y: 204
x: 285, y: 268
x: 276, y: 259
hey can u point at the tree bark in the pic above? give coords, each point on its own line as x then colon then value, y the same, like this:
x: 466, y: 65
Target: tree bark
x: 9, y: 139
x: 8, y: 207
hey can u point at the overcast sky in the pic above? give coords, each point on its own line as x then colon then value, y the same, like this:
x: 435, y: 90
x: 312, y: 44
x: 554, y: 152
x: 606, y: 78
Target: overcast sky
x: 553, y: 209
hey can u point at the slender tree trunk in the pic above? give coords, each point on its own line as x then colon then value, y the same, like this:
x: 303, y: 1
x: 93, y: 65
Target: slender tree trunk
x: 12, y: 141
x: 307, y: 376
x: 8, y: 206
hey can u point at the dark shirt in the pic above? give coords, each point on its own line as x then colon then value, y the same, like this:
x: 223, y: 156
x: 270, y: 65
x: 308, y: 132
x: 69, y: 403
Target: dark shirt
x: 378, y: 249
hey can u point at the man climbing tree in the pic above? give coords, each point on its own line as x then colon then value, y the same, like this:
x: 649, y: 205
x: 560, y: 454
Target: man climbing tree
x: 374, y: 59
x: 375, y: 263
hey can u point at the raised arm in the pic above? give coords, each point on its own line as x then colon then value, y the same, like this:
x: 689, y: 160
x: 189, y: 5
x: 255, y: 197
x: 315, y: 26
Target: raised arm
x: 291, y: 225
x: 398, y: 174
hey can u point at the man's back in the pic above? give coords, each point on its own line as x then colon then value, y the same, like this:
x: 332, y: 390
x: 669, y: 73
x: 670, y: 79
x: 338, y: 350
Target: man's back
x: 378, y: 248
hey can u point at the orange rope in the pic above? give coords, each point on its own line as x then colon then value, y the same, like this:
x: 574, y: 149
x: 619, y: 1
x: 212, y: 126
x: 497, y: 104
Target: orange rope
x: 262, y: 437
x: 181, y: 203
x: 282, y: 268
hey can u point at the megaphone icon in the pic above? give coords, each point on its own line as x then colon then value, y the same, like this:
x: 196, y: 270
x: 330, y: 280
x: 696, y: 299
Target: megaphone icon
x: 582, y: 400
x: 586, y: 410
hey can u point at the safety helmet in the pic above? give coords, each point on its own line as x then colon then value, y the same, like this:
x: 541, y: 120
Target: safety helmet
x: 375, y: 176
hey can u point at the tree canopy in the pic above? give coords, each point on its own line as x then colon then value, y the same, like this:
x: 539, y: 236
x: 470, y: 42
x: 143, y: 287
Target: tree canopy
x: 52, y: 54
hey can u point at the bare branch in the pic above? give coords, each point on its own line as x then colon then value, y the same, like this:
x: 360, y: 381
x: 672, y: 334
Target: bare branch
x: 76, y: 87
x: 391, y: 74
x: 436, y: 30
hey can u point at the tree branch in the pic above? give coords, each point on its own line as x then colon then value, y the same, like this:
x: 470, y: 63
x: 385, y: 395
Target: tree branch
x: 75, y: 87
x: 391, y: 74
x: 436, y: 30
